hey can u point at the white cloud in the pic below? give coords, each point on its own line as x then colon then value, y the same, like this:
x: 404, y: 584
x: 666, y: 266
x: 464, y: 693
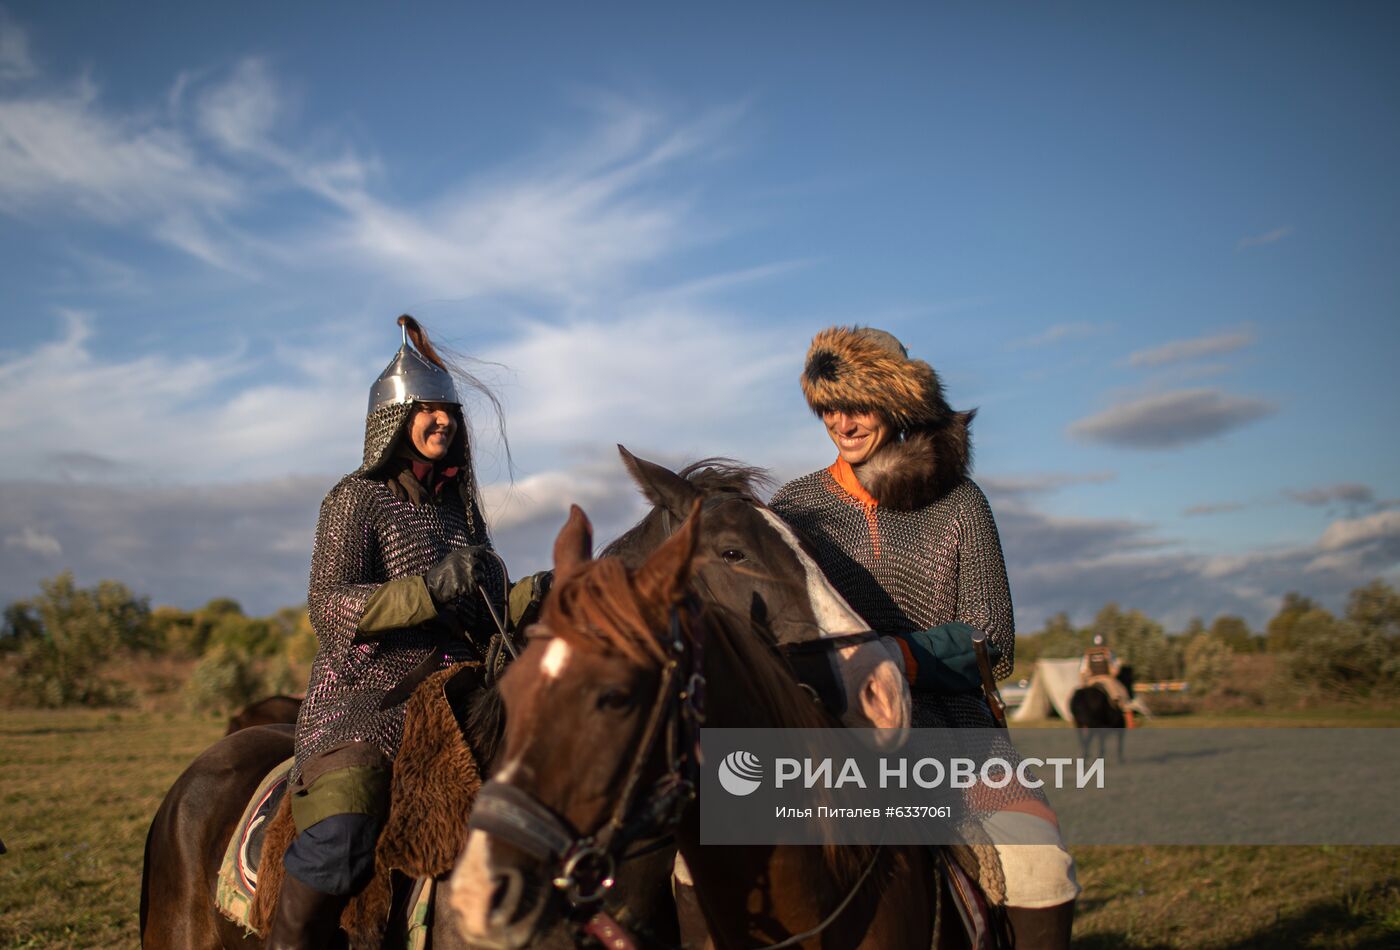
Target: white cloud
x: 35, y: 542
x: 240, y: 112
x: 165, y: 415
x: 60, y: 150
x: 1381, y: 527
x: 1179, y: 350
x: 650, y: 377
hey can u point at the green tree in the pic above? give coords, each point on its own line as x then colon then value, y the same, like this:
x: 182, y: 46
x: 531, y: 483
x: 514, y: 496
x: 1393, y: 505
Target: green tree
x: 225, y: 679
x: 1138, y: 640
x: 1209, y: 663
x: 1234, y: 633
x: 1353, y: 657
x: 20, y: 624
x: 81, y: 630
x: 1279, y: 634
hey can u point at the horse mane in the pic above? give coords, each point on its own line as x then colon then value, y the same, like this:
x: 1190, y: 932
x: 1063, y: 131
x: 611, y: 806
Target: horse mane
x: 598, y: 608
x: 710, y: 476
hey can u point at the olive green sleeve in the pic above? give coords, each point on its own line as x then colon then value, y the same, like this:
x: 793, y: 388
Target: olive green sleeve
x: 399, y: 603
x: 525, y: 598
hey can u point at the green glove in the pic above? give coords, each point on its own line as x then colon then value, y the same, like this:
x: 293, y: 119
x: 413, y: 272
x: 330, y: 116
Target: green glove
x: 944, y: 658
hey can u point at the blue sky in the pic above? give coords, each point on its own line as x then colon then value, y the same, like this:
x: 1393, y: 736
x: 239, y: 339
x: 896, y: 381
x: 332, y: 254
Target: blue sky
x: 1153, y: 245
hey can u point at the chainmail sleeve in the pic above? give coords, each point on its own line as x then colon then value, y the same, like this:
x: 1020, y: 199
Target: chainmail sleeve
x: 345, y: 565
x: 984, y: 594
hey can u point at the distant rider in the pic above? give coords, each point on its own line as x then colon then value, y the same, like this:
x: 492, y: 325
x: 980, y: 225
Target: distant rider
x: 1101, y: 667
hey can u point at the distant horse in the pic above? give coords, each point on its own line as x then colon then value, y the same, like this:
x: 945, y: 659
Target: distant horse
x: 757, y: 569
x: 265, y: 712
x: 1094, y: 713
x: 619, y: 656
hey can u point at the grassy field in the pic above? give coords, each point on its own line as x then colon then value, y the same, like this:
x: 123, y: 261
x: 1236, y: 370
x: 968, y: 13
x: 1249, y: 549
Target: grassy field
x: 78, y: 788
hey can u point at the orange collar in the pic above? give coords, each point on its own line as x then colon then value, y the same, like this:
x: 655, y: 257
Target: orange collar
x: 846, y: 477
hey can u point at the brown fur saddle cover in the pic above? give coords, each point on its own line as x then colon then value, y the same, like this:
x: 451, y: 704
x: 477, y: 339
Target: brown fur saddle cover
x: 435, y: 780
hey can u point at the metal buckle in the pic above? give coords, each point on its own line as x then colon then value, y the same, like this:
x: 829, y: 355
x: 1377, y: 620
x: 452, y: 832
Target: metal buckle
x: 588, y: 873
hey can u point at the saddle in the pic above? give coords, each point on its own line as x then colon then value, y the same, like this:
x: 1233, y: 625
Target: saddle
x: 435, y: 780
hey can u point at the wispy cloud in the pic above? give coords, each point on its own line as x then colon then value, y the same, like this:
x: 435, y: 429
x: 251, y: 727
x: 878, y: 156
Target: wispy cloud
x: 1268, y: 237
x: 1173, y: 419
x: 561, y: 226
x: 32, y: 541
x: 1040, y: 483
x: 175, y: 417
x: 1215, y: 508
x: 1058, y: 333
x: 1349, y: 493
x: 1194, y: 348
x: 16, y: 63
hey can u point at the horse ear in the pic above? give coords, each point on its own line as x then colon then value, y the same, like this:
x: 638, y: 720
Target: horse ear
x: 574, y: 546
x: 664, y: 576
x: 661, y: 486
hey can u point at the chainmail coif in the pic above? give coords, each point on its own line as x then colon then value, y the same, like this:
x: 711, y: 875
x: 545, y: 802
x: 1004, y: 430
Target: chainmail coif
x: 905, y: 571
x: 364, y: 538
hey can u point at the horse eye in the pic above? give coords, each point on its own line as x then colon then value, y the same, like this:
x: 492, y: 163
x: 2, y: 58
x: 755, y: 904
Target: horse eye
x: 614, y: 699
x: 733, y: 556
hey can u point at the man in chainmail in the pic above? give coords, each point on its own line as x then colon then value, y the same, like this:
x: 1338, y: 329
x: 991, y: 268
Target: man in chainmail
x: 1101, y: 667
x: 401, y: 567
x: 909, y: 540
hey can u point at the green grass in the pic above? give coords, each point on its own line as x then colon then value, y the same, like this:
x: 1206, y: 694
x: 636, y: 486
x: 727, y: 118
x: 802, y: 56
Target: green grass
x: 78, y: 789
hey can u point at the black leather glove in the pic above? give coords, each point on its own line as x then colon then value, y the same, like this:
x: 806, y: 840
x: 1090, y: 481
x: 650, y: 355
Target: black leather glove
x: 456, y: 575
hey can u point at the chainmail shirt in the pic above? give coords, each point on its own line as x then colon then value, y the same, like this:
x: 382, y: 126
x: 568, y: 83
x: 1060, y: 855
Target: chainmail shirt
x: 905, y: 571
x: 364, y: 538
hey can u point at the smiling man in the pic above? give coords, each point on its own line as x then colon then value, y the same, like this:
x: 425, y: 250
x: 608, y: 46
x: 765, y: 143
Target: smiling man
x: 909, y: 540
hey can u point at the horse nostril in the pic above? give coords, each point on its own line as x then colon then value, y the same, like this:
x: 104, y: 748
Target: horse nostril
x: 505, y: 896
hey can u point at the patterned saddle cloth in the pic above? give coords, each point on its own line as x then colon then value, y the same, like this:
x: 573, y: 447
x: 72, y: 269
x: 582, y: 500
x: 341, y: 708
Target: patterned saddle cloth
x: 238, y: 872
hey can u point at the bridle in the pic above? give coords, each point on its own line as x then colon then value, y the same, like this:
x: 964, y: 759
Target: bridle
x: 583, y: 866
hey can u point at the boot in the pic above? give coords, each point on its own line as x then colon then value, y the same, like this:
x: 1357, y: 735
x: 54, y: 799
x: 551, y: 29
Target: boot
x: 1041, y: 928
x: 695, y: 933
x: 306, y: 919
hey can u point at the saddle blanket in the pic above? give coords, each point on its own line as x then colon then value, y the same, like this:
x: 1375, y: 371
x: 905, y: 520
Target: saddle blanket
x: 238, y: 872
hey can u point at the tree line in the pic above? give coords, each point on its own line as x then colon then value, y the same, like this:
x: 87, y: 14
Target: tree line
x: 104, y: 646
x: 1316, y: 654
x: 67, y: 645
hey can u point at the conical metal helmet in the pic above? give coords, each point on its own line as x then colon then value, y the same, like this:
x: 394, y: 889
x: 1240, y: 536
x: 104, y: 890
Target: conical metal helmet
x: 408, y: 378
x: 411, y: 378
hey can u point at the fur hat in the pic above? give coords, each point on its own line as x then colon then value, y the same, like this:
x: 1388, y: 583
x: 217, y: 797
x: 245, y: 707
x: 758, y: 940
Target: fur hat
x: 862, y: 369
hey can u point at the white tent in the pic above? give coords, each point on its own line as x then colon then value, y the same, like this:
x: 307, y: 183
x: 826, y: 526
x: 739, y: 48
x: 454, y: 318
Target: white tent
x: 1052, y: 684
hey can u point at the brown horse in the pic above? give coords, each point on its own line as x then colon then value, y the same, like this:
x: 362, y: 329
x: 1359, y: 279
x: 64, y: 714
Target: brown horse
x: 754, y: 565
x: 619, y: 657
x: 756, y: 568
x: 190, y: 832
x: 265, y: 712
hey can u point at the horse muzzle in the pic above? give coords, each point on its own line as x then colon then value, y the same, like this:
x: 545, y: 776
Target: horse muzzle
x: 497, y: 901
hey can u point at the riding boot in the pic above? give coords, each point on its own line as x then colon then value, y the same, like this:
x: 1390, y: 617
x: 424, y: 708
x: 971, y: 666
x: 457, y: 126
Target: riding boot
x: 1041, y: 928
x: 695, y: 933
x: 306, y: 919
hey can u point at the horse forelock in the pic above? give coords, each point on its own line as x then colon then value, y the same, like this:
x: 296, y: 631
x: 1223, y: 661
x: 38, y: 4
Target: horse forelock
x: 719, y: 474
x: 598, y: 609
